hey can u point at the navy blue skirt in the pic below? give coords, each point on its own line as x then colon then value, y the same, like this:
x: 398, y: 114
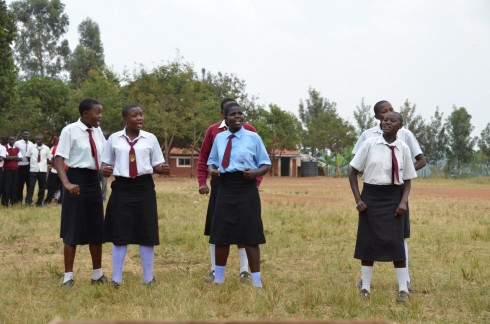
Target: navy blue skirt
x: 379, y: 232
x: 82, y: 216
x: 131, y: 214
x: 237, y: 212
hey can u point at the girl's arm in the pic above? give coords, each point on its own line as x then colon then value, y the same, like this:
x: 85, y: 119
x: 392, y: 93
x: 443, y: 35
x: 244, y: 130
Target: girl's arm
x: 252, y: 174
x: 402, y: 205
x: 72, y: 188
x: 360, y: 205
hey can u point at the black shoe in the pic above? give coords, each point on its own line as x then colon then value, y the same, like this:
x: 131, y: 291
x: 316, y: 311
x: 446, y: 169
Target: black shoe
x: 364, y: 294
x: 403, y: 297
x: 245, y: 276
x: 210, y: 277
x: 152, y: 282
x: 115, y: 284
x: 101, y: 280
x: 68, y: 284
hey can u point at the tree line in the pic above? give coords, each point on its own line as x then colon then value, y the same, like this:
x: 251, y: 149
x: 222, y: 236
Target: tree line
x: 42, y: 81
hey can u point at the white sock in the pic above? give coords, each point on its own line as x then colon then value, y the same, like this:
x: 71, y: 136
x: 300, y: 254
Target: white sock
x: 118, y: 256
x: 68, y: 276
x: 256, y: 279
x: 147, y: 254
x: 212, y: 251
x: 401, y: 276
x: 366, y: 274
x: 219, y: 274
x: 242, y: 254
x: 97, y: 273
x: 406, y: 259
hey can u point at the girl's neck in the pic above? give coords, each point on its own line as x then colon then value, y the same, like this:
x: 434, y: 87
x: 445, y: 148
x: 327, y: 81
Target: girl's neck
x: 132, y: 133
x: 389, y: 138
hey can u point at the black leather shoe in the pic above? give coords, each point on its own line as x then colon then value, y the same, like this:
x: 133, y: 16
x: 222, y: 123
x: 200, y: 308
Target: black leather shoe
x: 101, y: 280
x: 68, y: 284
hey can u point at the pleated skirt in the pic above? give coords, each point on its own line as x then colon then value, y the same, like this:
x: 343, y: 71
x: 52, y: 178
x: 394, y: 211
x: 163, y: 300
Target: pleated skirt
x: 131, y: 214
x: 379, y: 232
x: 237, y: 216
x: 82, y: 216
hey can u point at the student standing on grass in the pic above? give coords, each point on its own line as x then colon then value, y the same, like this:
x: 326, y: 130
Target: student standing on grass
x: 381, y: 108
x: 132, y: 156
x: 387, y: 168
x: 53, y: 184
x: 202, y: 175
x: 11, y: 173
x: 24, y: 146
x: 237, y: 158
x: 38, y: 157
x: 82, y: 212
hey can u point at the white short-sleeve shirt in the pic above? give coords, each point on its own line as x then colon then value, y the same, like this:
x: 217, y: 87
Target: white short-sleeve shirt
x: 374, y: 160
x: 147, y: 150
x: 24, y: 148
x: 74, y: 145
x: 44, y: 153
x: 403, y: 134
x: 3, y: 153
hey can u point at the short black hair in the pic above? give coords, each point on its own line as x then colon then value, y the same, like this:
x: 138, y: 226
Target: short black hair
x: 126, y: 109
x: 398, y: 116
x: 86, y: 105
x: 229, y: 106
x: 377, y: 106
x: 225, y: 101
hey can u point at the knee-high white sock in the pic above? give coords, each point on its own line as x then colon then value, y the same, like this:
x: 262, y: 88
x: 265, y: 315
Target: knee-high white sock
x: 242, y: 255
x: 219, y: 274
x: 147, y: 254
x: 406, y: 259
x: 256, y: 279
x: 212, y: 252
x: 118, y: 256
x: 401, y: 276
x: 366, y: 274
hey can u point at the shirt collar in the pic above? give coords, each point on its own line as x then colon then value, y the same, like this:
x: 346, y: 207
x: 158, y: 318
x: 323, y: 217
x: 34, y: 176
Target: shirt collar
x: 396, y: 143
x: 238, y: 133
x: 223, y: 125
x: 123, y: 134
x: 82, y: 125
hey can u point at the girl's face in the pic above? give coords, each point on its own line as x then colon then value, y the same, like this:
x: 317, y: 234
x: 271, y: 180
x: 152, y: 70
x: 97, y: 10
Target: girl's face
x: 11, y: 140
x: 390, y: 124
x: 134, y: 119
x: 234, y: 119
x: 93, y: 117
x: 383, y: 110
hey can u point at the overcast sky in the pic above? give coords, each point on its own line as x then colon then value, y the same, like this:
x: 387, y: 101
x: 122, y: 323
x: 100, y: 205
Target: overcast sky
x: 433, y: 53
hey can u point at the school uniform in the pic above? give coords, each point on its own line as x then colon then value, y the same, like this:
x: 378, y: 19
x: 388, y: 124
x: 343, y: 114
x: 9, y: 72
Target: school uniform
x: 24, y: 167
x: 53, y: 184
x: 10, y: 176
x: 405, y: 136
x: 380, y: 233
x: 237, y: 215
x: 82, y: 216
x: 131, y: 214
x: 38, y: 157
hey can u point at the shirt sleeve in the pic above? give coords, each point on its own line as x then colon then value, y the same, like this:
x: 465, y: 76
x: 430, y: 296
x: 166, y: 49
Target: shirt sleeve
x: 262, y: 155
x: 202, y: 163
x: 107, y: 154
x: 412, y: 143
x: 157, y: 154
x: 64, y: 144
x: 360, y: 140
x: 213, y: 155
x: 409, y: 170
x: 360, y: 158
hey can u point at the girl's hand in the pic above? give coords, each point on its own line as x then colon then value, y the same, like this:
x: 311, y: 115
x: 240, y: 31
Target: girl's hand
x: 361, y: 206
x: 249, y: 174
x: 74, y: 189
x: 107, y: 170
x: 214, y: 173
x: 401, y: 209
x: 162, y: 169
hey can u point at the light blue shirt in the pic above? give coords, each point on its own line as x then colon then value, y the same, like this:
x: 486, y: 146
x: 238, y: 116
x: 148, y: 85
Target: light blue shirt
x: 247, y: 152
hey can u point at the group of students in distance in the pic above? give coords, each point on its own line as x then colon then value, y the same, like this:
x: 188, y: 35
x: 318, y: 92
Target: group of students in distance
x: 234, y: 156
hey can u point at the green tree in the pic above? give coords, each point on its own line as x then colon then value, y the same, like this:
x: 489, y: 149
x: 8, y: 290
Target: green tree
x: 315, y: 105
x: 39, y: 49
x: 8, y: 71
x: 433, y: 140
x: 484, y: 143
x: 88, y: 55
x: 411, y: 120
x: 280, y: 130
x: 460, y: 142
x: 364, y: 117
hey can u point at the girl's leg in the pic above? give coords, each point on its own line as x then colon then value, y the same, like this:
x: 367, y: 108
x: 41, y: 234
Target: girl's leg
x: 147, y: 254
x: 222, y: 252
x: 118, y: 256
x: 96, y: 253
x: 242, y: 255
x: 253, y: 254
x: 366, y: 274
x: 69, y: 252
x: 401, y: 275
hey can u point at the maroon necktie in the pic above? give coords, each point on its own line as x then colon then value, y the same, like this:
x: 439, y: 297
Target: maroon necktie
x: 38, y: 155
x: 133, y: 168
x: 93, y: 148
x: 394, y: 165
x: 226, y: 156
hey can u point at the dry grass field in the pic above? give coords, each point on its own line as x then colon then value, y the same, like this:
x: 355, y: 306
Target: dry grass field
x: 307, y: 264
